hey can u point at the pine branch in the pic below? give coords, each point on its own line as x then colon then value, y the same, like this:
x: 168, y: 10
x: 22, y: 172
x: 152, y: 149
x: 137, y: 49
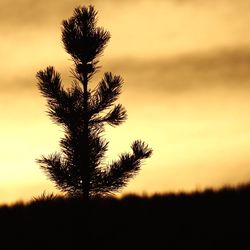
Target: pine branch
x: 119, y: 172
x: 73, y: 148
x: 82, y: 39
x: 64, y: 106
x: 107, y: 93
x: 98, y: 147
x: 50, y: 84
x: 114, y: 117
x: 60, y: 172
x: 141, y: 150
x: 69, y: 111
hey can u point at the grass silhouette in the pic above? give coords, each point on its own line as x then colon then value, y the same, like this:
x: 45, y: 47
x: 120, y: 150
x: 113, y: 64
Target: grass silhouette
x: 200, y: 220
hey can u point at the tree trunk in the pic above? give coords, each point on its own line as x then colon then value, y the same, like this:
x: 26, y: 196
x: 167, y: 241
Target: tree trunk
x: 86, y: 160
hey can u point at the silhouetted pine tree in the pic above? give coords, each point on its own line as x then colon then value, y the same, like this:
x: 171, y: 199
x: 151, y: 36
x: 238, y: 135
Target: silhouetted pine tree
x: 79, y: 169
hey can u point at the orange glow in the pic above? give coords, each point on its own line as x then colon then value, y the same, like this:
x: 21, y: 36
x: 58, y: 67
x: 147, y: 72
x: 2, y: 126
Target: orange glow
x: 186, y: 70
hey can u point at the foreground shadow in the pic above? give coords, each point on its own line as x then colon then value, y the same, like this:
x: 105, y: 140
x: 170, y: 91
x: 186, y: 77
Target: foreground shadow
x: 206, y: 220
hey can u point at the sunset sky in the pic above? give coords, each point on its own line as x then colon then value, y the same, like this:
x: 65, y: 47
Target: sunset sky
x: 186, y: 68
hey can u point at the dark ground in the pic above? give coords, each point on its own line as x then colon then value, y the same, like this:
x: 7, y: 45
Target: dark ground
x: 201, y: 220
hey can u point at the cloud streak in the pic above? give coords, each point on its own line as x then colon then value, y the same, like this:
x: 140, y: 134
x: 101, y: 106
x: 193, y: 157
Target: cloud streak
x: 226, y: 68
x: 220, y: 68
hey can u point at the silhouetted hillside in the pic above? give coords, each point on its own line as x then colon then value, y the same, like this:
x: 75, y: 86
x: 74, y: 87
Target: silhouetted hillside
x: 201, y: 220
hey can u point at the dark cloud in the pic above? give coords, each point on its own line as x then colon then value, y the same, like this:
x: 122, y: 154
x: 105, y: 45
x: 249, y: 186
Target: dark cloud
x: 228, y: 69
x: 225, y: 68
x: 30, y: 12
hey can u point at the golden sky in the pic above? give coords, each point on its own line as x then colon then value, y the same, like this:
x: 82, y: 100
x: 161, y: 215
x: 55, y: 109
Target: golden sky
x: 187, y: 90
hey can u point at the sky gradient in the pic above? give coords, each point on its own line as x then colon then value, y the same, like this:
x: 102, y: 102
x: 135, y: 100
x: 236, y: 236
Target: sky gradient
x: 185, y: 64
